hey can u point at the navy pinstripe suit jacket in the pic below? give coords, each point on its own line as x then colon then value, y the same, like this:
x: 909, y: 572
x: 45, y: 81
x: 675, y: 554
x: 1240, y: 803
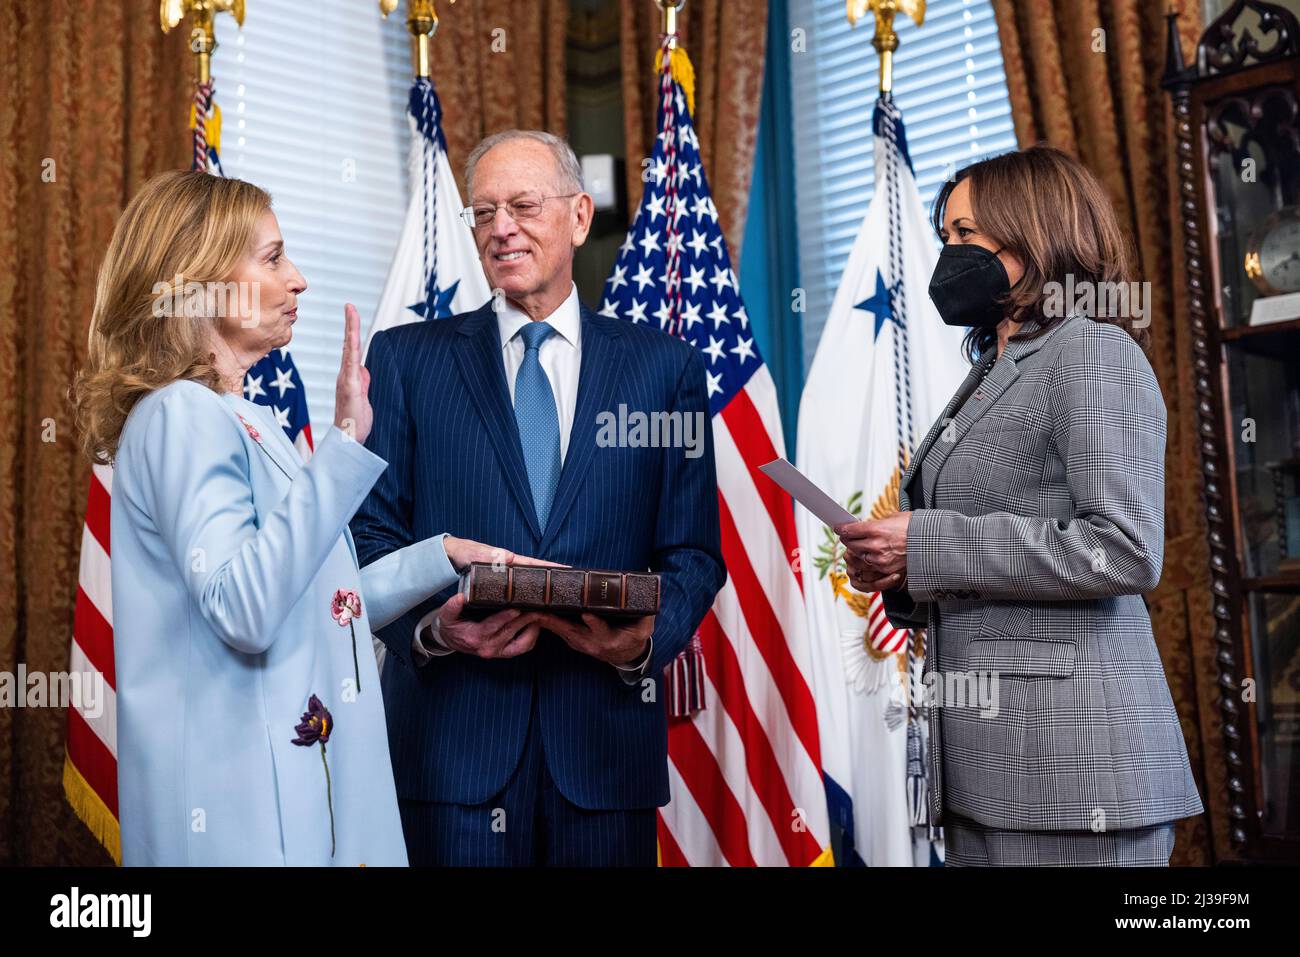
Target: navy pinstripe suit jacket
x: 444, y: 423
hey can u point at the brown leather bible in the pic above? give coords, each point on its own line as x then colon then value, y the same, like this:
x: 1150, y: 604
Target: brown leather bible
x: 488, y: 588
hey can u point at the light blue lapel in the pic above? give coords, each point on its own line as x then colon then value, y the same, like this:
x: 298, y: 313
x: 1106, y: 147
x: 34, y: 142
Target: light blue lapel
x: 274, y: 445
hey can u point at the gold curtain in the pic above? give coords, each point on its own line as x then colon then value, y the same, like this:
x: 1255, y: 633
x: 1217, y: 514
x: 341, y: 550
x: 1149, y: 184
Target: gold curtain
x: 499, y: 65
x: 726, y: 41
x: 95, y: 103
x: 1084, y: 75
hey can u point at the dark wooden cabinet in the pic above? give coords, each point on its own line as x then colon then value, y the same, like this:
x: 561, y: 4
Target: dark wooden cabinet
x: 1237, y: 121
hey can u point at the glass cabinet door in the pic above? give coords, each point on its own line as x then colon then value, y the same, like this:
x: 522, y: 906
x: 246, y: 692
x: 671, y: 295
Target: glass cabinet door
x: 1275, y: 647
x: 1252, y: 173
x: 1253, y: 164
x: 1263, y: 381
x: 1264, y: 401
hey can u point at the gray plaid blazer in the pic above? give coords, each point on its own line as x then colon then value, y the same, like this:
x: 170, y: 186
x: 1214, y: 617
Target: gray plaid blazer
x: 1039, y: 524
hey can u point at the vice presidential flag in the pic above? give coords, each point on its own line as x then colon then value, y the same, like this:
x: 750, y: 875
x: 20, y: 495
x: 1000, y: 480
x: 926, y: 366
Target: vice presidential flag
x: 745, y: 768
x: 435, y: 272
x: 90, y: 765
x: 884, y: 369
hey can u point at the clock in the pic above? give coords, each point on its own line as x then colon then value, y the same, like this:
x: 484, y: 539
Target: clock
x: 1273, y: 253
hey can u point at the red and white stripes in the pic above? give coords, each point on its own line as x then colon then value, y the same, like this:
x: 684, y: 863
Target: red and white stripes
x: 90, y: 768
x: 746, y: 771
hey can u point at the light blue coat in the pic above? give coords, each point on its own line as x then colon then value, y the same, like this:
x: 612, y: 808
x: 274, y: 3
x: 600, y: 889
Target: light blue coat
x: 227, y: 551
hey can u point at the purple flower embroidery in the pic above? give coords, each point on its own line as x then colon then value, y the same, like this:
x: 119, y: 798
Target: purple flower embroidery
x: 345, y: 607
x: 315, y: 727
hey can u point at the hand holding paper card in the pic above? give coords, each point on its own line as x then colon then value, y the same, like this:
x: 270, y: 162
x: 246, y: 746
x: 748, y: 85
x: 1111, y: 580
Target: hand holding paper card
x: 803, y: 491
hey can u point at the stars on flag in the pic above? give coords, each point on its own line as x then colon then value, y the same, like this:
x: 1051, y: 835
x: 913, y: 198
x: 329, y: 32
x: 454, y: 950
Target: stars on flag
x: 880, y: 304
x: 674, y: 269
x: 437, y: 302
x: 283, y: 380
x: 273, y: 381
x: 253, y: 386
x: 642, y: 277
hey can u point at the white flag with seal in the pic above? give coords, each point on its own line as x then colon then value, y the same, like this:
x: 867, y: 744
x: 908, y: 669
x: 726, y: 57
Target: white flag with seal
x: 884, y: 369
x: 436, y: 272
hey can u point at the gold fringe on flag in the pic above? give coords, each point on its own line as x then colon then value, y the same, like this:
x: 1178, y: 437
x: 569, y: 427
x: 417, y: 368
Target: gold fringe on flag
x: 94, y: 813
x: 683, y: 73
x: 825, y: 859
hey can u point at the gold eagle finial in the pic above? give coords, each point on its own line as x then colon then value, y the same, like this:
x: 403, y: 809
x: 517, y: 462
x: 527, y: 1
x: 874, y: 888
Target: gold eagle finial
x: 886, y: 40
x: 421, y: 23
x: 203, y: 35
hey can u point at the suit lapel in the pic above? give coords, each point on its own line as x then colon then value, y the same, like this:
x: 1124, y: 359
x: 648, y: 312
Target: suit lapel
x: 986, y: 392
x: 478, y: 355
x: 275, y: 445
x: 994, y: 385
x: 921, y: 450
x: 601, y: 368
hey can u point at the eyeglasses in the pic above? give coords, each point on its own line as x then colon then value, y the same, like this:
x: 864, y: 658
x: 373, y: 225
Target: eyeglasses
x: 527, y: 206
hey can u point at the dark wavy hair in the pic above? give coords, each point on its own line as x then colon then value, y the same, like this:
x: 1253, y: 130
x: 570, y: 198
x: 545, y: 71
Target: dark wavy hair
x: 1053, y: 214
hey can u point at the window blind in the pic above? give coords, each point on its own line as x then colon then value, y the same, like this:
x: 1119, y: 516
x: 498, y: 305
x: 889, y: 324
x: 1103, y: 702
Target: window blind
x: 949, y: 84
x: 313, y: 102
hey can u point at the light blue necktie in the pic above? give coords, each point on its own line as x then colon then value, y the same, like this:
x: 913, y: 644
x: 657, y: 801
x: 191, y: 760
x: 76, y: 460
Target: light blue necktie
x: 538, y: 421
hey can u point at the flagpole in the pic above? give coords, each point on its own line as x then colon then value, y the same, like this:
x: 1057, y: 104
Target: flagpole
x: 205, y: 115
x: 887, y: 123
x: 670, y: 9
x: 203, y: 36
x: 422, y: 23
x: 886, y: 40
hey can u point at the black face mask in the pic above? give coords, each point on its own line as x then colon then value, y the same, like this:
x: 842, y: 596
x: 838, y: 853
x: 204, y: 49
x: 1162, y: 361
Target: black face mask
x: 969, y: 285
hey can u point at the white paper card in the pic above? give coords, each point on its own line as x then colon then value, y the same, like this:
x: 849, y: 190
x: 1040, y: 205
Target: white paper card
x: 803, y: 491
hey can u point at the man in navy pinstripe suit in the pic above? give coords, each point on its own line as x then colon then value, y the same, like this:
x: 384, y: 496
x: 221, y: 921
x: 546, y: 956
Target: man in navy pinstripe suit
x: 529, y: 738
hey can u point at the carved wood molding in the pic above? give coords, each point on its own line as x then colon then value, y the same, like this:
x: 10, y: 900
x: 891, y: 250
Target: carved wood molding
x: 1213, y: 468
x: 1228, y: 45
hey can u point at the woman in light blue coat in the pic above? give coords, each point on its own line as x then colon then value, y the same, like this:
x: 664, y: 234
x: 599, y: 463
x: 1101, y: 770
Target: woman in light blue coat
x: 250, y: 723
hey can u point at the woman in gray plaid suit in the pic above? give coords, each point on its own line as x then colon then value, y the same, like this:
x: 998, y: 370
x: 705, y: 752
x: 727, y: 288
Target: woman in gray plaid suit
x: 1031, y: 523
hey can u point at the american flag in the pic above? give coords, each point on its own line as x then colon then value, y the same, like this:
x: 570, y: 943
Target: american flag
x: 745, y: 769
x: 90, y: 765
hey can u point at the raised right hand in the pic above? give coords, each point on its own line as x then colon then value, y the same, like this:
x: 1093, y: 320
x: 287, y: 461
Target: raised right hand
x: 352, y: 412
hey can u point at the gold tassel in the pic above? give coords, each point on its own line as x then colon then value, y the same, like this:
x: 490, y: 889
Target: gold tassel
x: 683, y: 73
x: 211, y: 129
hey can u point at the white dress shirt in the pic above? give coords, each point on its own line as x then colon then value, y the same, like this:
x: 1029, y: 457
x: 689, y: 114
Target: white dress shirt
x: 560, y: 356
x: 561, y: 359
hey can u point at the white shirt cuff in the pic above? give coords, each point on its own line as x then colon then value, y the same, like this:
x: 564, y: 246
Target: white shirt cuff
x: 423, y: 651
x: 631, y: 674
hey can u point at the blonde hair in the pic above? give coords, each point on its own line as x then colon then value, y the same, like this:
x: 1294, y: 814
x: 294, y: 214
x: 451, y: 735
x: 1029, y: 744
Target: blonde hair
x: 182, y: 227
